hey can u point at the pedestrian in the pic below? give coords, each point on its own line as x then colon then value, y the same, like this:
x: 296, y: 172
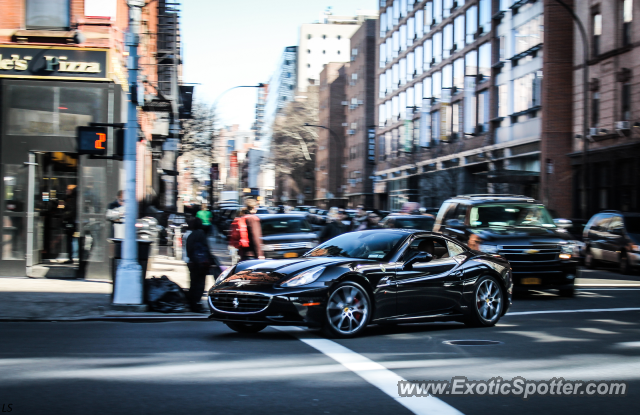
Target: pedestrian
x: 205, y: 216
x: 69, y: 219
x: 360, y: 217
x: 115, y: 215
x: 246, y: 232
x: 335, y: 227
x: 199, y: 260
x: 370, y: 223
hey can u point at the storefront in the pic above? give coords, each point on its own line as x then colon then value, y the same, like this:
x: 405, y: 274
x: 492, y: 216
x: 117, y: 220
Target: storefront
x: 54, y: 201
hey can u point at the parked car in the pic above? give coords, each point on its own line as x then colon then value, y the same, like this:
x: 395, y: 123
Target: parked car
x: 518, y: 228
x: 376, y: 276
x: 420, y: 222
x: 286, y: 235
x: 613, y: 237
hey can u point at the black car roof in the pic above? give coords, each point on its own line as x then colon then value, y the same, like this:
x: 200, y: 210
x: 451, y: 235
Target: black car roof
x: 484, y: 198
x: 628, y: 214
x: 282, y: 215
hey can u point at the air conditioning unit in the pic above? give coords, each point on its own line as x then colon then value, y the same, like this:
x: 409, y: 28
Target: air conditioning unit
x: 593, y: 131
x: 351, y: 132
x: 345, y: 102
x: 623, y: 125
x: 360, y: 102
x: 345, y: 124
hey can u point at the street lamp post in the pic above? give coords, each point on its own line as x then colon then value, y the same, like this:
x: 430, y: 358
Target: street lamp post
x: 336, y: 139
x: 584, y: 202
x: 127, y: 289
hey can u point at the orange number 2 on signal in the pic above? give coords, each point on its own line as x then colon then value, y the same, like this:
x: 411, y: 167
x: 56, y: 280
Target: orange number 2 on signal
x: 102, y: 137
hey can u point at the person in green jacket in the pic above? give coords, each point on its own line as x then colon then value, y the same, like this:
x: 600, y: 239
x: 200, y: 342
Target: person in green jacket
x: 205, y: 216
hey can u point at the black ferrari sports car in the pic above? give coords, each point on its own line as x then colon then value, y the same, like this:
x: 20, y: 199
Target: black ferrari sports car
x: 383, y: 276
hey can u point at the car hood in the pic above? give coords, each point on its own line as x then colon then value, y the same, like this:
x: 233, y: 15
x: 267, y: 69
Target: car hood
x: 259, y: 272
x: 288, y: 237
x: 524, y: 233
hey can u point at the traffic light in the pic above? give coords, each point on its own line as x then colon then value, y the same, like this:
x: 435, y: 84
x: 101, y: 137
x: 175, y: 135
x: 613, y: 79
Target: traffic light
x: 92, y: 140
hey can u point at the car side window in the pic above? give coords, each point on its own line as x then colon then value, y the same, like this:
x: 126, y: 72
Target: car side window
x: 616, y: 223
x: 461, y: 213
x: 602, y: 224
x: 434, y: 246
x: 454, y: 249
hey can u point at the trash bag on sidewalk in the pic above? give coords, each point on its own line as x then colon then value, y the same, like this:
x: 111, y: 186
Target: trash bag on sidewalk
x: 164, y: 295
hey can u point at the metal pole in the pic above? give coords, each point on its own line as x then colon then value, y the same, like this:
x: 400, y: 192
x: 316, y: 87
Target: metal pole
x: 584, y: 202
x: 127, y: 290
x: 31, y: 167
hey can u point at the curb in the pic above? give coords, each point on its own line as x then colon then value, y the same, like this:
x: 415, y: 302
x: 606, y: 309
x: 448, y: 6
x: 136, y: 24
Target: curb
x: 125, y: 318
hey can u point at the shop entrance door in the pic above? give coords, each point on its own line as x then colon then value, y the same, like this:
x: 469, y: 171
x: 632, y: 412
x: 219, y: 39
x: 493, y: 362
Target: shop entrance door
x: 52, y: 228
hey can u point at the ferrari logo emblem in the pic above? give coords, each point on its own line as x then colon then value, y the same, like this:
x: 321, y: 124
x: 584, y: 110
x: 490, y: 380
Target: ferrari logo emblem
x: 235, y: 303
x: 383, y: 268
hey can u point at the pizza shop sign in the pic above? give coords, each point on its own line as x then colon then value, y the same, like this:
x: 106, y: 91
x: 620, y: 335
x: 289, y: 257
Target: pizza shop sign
x: 60, y: 63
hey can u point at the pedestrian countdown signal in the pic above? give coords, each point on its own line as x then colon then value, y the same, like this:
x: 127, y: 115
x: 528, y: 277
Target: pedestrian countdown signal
x: 92, y: 140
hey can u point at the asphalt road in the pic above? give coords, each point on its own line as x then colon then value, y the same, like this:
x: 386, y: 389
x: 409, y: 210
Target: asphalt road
x: 203, y: 367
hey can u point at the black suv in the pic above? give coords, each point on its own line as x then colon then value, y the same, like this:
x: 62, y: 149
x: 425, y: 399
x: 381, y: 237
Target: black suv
x: 613, y: 237
x: 518, y: 228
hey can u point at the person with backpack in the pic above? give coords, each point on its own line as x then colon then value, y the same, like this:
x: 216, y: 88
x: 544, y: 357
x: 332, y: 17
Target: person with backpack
x: 199, y: 260
x: 246, y: 232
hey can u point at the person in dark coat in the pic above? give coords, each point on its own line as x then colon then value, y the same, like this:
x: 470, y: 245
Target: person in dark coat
x: 371, y: 222
x: 198, y: 270
x: 335, y: 228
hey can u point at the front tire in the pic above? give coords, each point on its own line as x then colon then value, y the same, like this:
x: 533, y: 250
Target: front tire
x: 488, y: 303
x: 348, y: 311
x: 246, y: 327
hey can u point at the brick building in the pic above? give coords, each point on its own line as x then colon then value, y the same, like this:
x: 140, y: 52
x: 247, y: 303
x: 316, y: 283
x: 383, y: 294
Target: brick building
x: 613, y: 171
x: 359, y: 124
x: 331, y: 142
x: 63, y: 65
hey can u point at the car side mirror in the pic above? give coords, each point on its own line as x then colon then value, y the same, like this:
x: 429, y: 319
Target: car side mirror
x: 418, y: 257
x: 563, y: 223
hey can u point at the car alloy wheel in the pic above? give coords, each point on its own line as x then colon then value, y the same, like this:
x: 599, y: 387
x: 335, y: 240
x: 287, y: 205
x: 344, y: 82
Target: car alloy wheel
x: 488, y: 303
x: 246, y: 327
x: 348, y: 310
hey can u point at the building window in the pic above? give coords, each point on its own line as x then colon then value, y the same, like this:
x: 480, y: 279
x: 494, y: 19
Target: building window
x: 458, y: 37
x: 436, y: 78
x: 308, y: 50
x: 627, y: 17
x: 437, y: 11
x: 308, y: 36
x: 324, y: 36
x: 428, y: 16
x: 597, y: 32
x: 485, y: 16
x: 484, y: 61
x: 47, y: 14
x: 472, y: 24
x: 447, y: 44
x: 308, y: 65
x: 437, y: 47
x: 483, y: 111
x: 458, y: 74
x: 323, y: 52
x: 503, y: 98
x: 529, y: 34
x: 338, y: 52
x: 428, y: 54
x: 626, y: 101
x: 526, y: 90
x: 339, y: 37
x: 471, y: 63
x: 595, y: 109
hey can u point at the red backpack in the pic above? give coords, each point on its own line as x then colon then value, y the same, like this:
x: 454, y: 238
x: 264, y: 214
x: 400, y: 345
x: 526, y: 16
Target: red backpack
x: 239, y: 236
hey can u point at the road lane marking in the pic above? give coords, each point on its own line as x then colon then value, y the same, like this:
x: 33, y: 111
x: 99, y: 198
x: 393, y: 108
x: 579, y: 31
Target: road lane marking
x: 595, y: 330
x: 608, y: 289
x: 587, y: 310
x: 374, y: 373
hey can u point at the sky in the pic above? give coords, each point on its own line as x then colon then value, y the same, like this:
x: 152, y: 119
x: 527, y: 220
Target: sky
x: 227, y: 43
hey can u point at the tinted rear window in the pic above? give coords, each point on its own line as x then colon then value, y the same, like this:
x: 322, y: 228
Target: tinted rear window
x: 278, y: 226
x: 424, y: 224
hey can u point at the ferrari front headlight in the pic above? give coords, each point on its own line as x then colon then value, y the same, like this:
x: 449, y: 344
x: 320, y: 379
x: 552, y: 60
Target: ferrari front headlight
x: 305, y: 277
x: 224, y: 275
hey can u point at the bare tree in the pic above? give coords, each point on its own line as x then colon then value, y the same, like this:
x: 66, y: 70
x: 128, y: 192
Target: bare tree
x: 294, y: 145
x: 199, y: 131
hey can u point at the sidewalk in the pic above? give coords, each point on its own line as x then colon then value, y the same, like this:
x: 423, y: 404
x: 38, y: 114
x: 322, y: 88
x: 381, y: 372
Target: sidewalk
x: 23, y: 298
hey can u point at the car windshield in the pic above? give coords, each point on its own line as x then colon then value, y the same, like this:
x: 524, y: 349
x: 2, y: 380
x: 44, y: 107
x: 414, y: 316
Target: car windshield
x: 362, y: 245
x: 510, y: 214
x: 424, y: 224
x: 286, y: 225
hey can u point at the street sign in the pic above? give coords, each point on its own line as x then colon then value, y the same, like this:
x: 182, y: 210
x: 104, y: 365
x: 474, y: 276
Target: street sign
x: 92, y: 140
